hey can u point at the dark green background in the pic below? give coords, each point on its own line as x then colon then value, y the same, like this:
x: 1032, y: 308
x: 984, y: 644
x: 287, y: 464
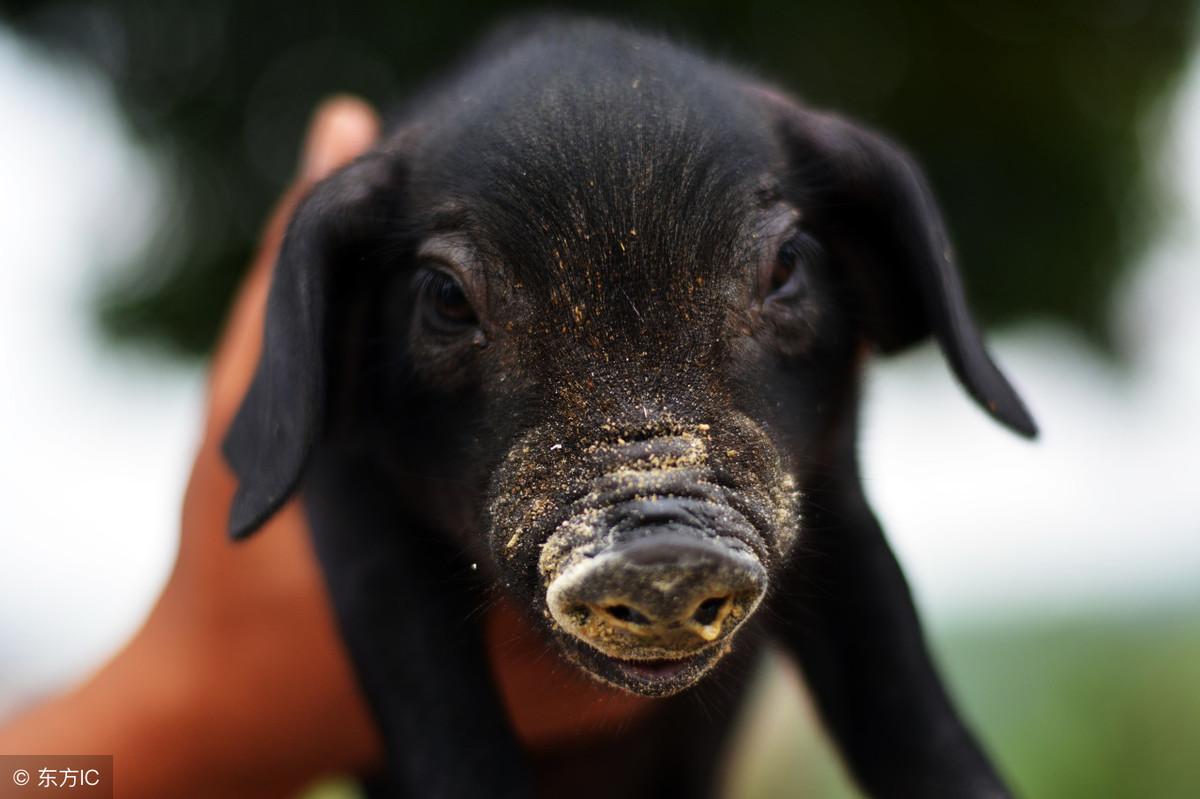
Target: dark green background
x: 1034, y: 120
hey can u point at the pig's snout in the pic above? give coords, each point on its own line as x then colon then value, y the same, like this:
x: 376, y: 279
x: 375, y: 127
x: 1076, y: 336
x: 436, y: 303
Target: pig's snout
x: 667, y: 592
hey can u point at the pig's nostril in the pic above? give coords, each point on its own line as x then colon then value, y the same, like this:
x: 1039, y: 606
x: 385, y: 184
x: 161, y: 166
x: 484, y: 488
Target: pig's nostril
x: 626, y: 614
x: 707, y: 612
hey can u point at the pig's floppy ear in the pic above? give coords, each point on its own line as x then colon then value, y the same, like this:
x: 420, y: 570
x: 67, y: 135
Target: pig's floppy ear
x: 872, y: 206
x: 281, y: 416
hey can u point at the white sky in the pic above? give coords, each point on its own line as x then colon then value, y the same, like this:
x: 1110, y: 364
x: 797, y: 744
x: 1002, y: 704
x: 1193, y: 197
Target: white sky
x: 1102, y: 512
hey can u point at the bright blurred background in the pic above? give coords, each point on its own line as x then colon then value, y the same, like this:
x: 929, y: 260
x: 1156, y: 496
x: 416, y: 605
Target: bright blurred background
x: 140, y: 145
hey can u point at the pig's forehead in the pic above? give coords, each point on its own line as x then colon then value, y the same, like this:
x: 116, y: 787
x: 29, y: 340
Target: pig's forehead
x: 611, y: 214
x: 590, y: 146
x: 634, y: 197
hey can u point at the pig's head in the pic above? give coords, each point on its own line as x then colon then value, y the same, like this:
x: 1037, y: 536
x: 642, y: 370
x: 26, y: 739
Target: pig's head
x: 602, y: 312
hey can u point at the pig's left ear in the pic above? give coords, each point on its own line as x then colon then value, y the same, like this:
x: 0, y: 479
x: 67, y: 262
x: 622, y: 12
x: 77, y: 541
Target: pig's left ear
x: 280, y: 418
x: 871, y: 205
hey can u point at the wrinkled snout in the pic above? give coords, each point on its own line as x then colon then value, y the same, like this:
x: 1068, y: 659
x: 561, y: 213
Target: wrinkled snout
x: 666, y: 592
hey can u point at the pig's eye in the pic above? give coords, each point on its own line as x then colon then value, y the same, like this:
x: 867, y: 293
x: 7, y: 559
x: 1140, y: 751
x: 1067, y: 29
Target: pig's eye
x: 445, y: 304
x: 787, y: 276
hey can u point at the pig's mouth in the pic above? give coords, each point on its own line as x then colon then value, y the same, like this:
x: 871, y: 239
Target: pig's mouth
x: 658, y: 677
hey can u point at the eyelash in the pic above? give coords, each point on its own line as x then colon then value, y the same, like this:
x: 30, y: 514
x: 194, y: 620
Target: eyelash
x: 444, y: 302
x: 787, y: 278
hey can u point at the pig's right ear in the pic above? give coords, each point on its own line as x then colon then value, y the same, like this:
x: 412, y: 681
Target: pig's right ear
x: 282, y: 415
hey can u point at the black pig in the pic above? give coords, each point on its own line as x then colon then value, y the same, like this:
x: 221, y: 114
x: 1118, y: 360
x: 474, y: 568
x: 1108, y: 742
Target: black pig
x: 585, y: 330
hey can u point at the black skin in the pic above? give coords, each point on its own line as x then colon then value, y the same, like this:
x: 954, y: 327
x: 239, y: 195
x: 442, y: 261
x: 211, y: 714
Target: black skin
x: 587, y: 236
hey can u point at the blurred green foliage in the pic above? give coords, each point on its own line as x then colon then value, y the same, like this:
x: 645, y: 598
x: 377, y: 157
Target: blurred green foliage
x: 1089, y: 708
x: 1075, y: 708
x: 1032, y: 118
